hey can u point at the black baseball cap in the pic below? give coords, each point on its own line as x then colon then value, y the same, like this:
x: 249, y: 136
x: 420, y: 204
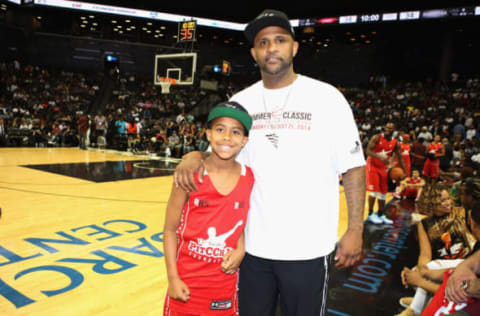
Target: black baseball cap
x: 234, y: 110
x: 267, y: 18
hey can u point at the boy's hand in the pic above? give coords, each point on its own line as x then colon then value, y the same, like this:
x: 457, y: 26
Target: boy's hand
x: 178, y: 290
x: 231, y: 261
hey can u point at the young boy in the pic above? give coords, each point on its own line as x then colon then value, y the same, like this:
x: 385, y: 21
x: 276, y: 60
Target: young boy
x: 203, y: 233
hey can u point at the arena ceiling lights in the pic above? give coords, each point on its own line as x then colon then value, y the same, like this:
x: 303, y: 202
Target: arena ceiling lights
x: 138, y: 13
x: 350, y: 19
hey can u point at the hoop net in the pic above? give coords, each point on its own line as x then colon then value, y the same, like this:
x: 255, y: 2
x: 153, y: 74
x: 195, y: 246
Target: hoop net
x: 165, y: 84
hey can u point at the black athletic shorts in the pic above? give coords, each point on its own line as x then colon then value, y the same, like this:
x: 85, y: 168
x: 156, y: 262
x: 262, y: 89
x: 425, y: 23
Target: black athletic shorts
x: 300, y: 286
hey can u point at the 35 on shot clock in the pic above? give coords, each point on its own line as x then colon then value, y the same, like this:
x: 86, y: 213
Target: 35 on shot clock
x: 186, y: 31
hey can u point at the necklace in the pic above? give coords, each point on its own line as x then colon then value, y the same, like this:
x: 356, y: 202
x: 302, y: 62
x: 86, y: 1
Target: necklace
x: 280, y: 109
x: 276, y: 113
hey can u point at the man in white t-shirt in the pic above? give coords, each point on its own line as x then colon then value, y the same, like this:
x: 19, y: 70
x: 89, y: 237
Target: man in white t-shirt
x: 291, y: 229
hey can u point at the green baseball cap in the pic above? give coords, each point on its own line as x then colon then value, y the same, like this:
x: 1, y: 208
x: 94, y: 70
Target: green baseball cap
x: 234, y: 110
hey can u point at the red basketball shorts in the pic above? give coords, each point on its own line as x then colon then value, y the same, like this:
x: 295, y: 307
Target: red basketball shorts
x: 410, y: 192
x: 431, y: 167
x: 377, y: 179
x: 168, y: 312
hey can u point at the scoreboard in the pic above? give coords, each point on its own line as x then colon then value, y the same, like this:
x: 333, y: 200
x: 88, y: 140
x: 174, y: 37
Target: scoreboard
x: 459, y: 12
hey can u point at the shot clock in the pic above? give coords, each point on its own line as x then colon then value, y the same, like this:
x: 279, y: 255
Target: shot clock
x: 186, y: 31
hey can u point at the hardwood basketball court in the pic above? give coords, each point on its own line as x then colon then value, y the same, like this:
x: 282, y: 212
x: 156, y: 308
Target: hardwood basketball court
x: 81, y: 232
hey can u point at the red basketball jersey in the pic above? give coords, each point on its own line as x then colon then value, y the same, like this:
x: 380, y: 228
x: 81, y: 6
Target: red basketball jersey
x: 405, y: 150
x: 434, y: 148
x: 440, y: 306
x: 210, y: 227
x: 411, y: 191
x: 383, y: 146
x: 413, y: 181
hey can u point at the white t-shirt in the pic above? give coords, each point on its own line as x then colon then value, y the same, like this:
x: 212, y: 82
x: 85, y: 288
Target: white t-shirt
x: 470, y: 134
x: 303, y: 136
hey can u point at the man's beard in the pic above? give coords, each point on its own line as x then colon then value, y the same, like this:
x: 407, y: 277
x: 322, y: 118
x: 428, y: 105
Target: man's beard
x: 283, y: 67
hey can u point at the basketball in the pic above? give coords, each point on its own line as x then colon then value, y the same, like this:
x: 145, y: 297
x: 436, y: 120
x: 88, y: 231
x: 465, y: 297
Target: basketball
x: 396, y: 174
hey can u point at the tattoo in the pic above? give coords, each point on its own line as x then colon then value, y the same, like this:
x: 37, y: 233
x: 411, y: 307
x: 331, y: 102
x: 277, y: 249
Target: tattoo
x: 355, y: 191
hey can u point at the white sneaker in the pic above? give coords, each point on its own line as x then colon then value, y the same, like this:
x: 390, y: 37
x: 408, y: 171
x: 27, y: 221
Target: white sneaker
x: 374, y: 218
x: 385, y: 220
x: 397, y: 196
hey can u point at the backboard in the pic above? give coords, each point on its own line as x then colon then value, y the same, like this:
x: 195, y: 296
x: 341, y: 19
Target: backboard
x: 181, y: 67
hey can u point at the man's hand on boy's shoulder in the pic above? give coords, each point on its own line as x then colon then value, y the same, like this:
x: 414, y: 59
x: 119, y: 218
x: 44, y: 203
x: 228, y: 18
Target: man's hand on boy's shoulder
x: 191, y: 163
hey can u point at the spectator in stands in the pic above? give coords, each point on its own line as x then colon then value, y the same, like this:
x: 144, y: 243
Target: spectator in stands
x: 417, y: 154
x: 471, y: 133
x: 470, y: 149
x: 425, y: 135
x: 122, y: 129
x: 40, y: 136
x: 201, y: 139
x: 188, y: 144
x: 456, y: 189
x: 3, y: 133
x: 111, y: 130
x: 459, y: 130
x: 100, y: 122
x: 55, y: 134
x: 82, y: 126
x: 70, y: 136
x: 24, y: 124
x: 446, y: 160
x: 180, y: 118
x: 132, y: 132
x: 436, y: 129
x: 174, y: 144
x: 190, y: 117
x: 159, y: 145
x: 458, y: 155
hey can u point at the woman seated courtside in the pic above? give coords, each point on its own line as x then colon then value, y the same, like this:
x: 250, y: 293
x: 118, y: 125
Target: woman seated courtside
x: 443, y: 239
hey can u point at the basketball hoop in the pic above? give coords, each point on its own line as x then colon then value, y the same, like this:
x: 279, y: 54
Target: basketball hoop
x: 165, y: 84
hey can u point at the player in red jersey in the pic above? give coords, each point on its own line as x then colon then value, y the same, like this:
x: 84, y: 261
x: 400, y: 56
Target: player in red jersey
x: 203, y: 238
x: 432, y: 164
x: 405, y: 150
x: 411, y: 187
x: 379, y: 151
